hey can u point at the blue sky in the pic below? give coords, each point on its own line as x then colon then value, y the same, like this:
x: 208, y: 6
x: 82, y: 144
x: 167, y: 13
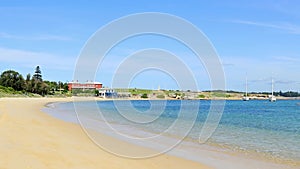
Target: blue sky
x: 257, y: 39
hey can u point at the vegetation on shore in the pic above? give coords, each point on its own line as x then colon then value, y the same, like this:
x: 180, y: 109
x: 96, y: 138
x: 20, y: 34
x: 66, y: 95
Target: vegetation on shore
x: 215, y: 94
x: 12, y: 83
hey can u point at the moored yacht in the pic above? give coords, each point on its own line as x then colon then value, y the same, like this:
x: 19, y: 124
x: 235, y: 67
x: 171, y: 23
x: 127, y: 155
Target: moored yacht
x: 272, y: 98
x: 246, y: 98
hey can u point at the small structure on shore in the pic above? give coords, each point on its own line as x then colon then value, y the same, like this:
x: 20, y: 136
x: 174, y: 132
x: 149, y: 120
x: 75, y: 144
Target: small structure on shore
x: 107, y: 93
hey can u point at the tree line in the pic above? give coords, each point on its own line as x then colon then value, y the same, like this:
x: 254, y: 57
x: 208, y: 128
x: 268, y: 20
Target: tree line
x: 31, y: 84
x: 288, y: 94
x: 280, y: 93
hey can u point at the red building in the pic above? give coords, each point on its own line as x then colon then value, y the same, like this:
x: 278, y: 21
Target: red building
x: 86, y: 85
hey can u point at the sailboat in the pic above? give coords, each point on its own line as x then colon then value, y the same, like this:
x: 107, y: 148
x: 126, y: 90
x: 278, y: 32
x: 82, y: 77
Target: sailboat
x: 272, y: 98
x: 246, y: 98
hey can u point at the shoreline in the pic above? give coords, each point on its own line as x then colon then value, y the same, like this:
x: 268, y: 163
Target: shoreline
x: 34, y: 107
x: 31, y: 138
x: 83, y: 98
x: 212, y: 149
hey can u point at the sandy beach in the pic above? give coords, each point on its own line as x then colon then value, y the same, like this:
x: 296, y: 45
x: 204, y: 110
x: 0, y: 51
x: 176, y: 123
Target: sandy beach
x: 32, y: 139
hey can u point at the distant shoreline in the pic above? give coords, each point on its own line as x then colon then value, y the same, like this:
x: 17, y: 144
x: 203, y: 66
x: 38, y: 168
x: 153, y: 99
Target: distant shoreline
x: 234, y: 98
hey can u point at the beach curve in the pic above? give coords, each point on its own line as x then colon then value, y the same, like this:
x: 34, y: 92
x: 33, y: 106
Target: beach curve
x: 32, y: 139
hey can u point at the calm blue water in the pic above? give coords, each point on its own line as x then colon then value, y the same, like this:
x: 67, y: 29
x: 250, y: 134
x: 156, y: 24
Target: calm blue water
x: 259, y: 126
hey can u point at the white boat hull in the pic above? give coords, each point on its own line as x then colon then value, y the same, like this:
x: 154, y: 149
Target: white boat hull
x: 272, y: 99
x: 246, y: 99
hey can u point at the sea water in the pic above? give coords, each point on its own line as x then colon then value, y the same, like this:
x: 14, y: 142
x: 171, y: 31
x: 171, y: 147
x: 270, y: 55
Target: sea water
x: 260, y: 126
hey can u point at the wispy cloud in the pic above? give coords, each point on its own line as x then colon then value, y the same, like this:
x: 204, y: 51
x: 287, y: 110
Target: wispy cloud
x: 24, y: 58
x: 228, y: 64
x: 286, y: 82
x: 286, y: 59
x: 286, y: 27
x: 42, y: 37
x: 261, y: 80
x: 268, y: 81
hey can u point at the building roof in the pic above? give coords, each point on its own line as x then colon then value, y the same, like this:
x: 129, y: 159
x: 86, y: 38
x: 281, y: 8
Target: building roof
x: 84, y: 82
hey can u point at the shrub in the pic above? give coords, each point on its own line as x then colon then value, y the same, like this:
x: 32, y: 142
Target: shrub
x: 202, y: 96
x: 160, y: 96
x: 144, y: 96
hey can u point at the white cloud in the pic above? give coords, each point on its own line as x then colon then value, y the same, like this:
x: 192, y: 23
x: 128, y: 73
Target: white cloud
x: 286, y: 82
x: 261, y: 80
x: 286, y: 59
x: 24, y: 58
x: 40, y: 37
x: 287, y: 27
x: 228, y: 64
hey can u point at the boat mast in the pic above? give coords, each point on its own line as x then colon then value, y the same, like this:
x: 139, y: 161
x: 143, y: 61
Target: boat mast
x: 272, y: 86
x: 246, y: 86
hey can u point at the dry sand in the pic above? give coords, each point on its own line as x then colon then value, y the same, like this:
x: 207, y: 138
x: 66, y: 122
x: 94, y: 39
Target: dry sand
x: 30, y: 138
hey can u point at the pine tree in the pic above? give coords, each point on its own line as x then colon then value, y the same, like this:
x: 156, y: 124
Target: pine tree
x: 38, y: 74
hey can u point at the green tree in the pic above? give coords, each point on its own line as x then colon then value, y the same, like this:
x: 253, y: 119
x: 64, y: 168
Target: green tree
x: 144, y: 96
x: 37, y: 85
x: 31, y: 86
x: 13, y: 79
x: 40, y: 88
x: 66, y: 87
x: 52, y: 86
x: 28, y: 83
x: 96, y: 92
x: 38, y: 74
x: 44, y: 90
